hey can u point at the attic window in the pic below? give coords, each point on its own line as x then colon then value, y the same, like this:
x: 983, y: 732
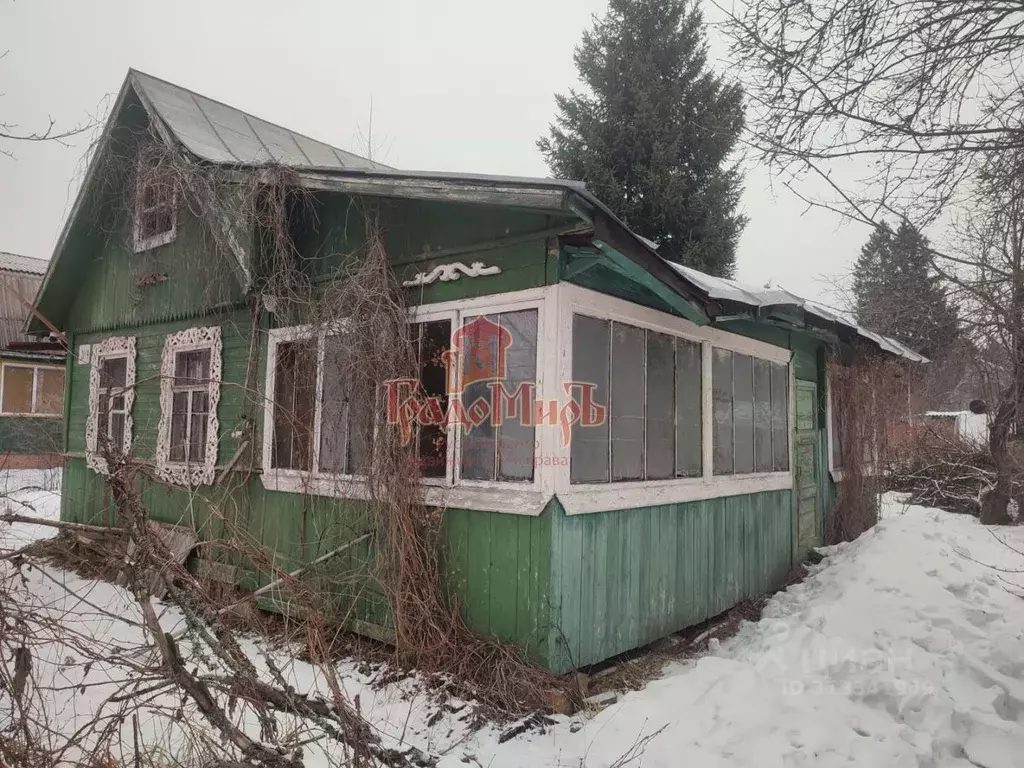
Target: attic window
x: 155, y: 208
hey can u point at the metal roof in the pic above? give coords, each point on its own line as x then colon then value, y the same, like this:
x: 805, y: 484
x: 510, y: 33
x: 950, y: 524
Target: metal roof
x: 14, y: 262
x: 724, y: 289
x: 220, y: 133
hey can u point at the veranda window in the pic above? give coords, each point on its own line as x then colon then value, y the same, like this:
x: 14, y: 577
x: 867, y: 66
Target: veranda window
x: 650, y: 384
x: 319, y: 421
x: 750, y: 397
x: 316, y: 422
x: 32, y: 390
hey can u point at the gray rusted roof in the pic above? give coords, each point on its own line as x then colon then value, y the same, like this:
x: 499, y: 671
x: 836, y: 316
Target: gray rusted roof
x: 219, y: 133
x: 723, y: 289
x: 14, y: 262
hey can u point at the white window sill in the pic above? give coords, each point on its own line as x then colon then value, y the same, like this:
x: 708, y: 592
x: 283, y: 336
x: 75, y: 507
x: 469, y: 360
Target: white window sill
x: 527, y: 500
x: 511, y: 498
x: 155, y: 241
x: 32, y: 415
x: 604, y: 497
x: 837, y: 475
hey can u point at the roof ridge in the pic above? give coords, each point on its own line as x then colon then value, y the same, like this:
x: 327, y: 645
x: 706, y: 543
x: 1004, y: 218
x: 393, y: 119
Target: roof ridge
x: 194, y: 93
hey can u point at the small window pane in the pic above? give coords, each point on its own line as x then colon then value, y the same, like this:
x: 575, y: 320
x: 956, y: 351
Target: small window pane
x: 192, y: 368
x: 627, y: 402
x: 51, y: 391
x: 780, y: 417
x: 743, y: 413
x: 113, y: 372
x: 590, y: 364
x: 762, y: 416
x: 722, y: 425
x: 117, y: 436
x: 334, y: 420
x: 516, y: 438
x: 660, y: 419
x: 435, y: 339
x: 179, y: 427
x: 689, y: 451
x: 197, y: 433
x: 294, y: 389
x: 17, y: 394
x: 479, y: 353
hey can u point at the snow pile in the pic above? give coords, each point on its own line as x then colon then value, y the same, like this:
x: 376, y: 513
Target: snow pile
x: 902, y: 649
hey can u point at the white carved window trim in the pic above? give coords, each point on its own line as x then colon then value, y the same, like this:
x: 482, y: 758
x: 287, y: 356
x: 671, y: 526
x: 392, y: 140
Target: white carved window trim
x: 182, y: 473
x: 108, y: 349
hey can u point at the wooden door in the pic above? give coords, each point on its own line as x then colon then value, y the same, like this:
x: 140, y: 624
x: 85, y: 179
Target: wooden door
x: 805, y: 456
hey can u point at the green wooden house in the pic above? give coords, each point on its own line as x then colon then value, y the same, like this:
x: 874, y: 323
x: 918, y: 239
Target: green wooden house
x: 678, y: 461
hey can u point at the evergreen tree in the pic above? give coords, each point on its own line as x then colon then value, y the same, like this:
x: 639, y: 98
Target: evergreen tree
x: 897, y: 293
x: 652, y: 133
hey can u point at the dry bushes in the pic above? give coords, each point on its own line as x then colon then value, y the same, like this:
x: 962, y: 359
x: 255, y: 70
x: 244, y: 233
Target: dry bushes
x: 864, y: 397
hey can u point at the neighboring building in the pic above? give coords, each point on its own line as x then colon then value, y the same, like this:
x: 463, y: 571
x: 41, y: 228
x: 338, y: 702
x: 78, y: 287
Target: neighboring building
x: 971, y: 428
x: 31, y: 373
x: 700, y: 479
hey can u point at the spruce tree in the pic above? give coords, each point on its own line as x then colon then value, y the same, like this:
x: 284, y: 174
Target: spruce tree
x: 653, y: 131
x: 897, y: 293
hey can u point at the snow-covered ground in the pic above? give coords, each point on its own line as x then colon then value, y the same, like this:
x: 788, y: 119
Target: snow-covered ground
x: 903, y: 648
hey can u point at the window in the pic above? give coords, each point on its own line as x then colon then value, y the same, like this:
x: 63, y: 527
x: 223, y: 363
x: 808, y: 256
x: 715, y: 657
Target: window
x: 750, y: 414
x: 155, y: 207
x: 108, y: 427
x: 32, y: 390
x: 650, y: 384
x: 190, y: 370
x: 497, y: 350
x: 470, y: 368
x: 316, y: 424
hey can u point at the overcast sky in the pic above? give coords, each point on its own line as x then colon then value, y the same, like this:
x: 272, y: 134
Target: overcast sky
x: 456, y: 85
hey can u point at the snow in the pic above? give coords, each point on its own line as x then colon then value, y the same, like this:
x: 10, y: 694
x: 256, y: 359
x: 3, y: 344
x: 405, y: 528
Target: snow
x: 903, y: 648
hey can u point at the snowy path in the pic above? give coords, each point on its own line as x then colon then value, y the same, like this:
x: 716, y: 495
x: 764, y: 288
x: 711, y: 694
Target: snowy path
x: 902, y: 649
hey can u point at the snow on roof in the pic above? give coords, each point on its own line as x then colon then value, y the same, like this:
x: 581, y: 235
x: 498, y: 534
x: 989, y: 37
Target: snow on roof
x: 14, y: 262
x: 724, y: 289
x: 223, y: 134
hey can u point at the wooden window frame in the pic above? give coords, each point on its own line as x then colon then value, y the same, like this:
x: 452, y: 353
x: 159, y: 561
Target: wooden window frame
x: 111, y: 348
x: 189, y: 340
x: 36, y: 368
x: 142, y: 244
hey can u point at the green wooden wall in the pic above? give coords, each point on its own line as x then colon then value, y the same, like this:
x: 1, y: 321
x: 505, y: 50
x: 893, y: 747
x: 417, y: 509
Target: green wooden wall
x: 625, y: 578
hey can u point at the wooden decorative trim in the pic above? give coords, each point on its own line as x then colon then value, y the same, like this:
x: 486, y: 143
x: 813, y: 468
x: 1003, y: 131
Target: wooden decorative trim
x: 189, y: 339
x: 109, y: 348
x: 449, y: 272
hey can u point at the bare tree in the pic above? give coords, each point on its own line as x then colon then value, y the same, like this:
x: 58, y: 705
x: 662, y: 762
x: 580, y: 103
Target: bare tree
x: 11, y: 132
x: 917, y: 92
x: 985, y: 266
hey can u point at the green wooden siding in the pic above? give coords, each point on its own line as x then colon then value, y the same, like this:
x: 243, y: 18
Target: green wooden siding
x: 625, y: 578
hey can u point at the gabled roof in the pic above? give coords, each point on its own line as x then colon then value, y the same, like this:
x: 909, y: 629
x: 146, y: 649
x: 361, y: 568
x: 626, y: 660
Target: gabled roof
x: 218, y: 133
x: 15, y: 262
